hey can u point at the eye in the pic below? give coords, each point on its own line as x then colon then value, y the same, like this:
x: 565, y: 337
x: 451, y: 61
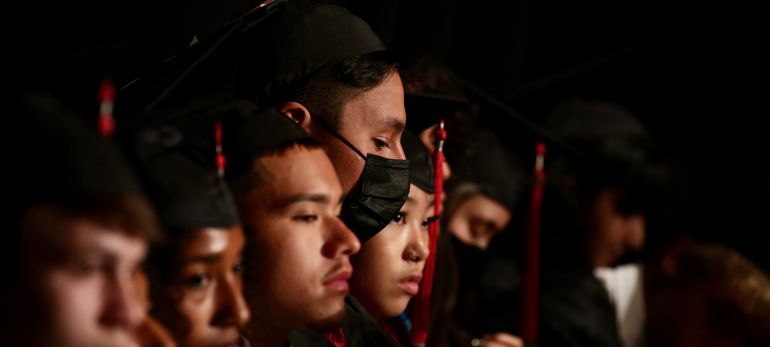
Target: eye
x: 381, y: 143
x: 399, y: 218
x: 306, y: 218
x: 430, y: 220
x: 238, y: 267
x: 85, y: 269
x: 198, y: 281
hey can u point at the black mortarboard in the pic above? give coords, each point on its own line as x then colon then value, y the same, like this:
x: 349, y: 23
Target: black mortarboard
x: 53, y: 157
x: 249, y: 135
x: 420, y: 163
x: 303, y: 39
x: 182, y: 181
x: 578, y: 120
x: 274, y: 45
x: 425, y: 109
x: 485, y: 162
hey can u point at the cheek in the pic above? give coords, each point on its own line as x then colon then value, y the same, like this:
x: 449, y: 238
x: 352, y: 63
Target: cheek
x: 197, y: 309
x: 74, y: 303
x: 347, y: 164
x: 289, y: 261
x: 460, y: 228
x: 375, y: 268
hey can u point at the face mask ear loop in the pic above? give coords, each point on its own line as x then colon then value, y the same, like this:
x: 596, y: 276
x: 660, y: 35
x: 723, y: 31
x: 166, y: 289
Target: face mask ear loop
x: 330, y: 130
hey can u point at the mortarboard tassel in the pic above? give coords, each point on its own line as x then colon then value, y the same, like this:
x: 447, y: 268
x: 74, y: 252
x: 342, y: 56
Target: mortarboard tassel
x: 220, y: 155
x: 106, y: 106
x: 531, y: 280
x: 421, y: 312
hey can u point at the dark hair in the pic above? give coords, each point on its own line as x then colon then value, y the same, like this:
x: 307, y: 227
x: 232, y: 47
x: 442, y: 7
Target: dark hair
x: 246, y: 178
x: 325, y: 91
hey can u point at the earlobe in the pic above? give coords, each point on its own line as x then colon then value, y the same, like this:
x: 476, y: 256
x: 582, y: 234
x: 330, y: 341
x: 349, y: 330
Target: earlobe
x: 296, y: 112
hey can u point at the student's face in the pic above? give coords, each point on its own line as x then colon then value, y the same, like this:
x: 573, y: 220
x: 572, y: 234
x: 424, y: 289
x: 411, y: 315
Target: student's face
x: 611, y: 233
x: 206, y: 288
x: 389, y: 266
x: 81, y: 275
x: 373, y: 121
x: 477, y: 219
x: 298, y: 277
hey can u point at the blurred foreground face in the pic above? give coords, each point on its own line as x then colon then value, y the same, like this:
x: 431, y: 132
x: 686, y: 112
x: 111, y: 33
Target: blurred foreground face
x: 477, y: 219
x: 611, y: 233
x: 206, y: 289
x: 389, y: 266
x: 81, y: 283
x: 298, y: 275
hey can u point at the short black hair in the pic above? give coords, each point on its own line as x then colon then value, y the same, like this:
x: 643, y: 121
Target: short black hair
x: 245, y: 178
x: 325, y: 91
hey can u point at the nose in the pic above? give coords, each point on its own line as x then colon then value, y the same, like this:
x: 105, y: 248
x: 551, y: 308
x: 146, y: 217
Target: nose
x: 123, y: 307
x: 339, y: 240
x: 398, y: 151
x: 417, y: 249
x: 232, y: 310
x: 635, y: 237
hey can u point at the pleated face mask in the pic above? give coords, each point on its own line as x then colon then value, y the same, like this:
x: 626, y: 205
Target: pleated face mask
x: 384, y: 189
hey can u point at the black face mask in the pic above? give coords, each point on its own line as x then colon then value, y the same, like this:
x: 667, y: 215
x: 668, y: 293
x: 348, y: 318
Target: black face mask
x: 471, y: 262
x: 384, y: 189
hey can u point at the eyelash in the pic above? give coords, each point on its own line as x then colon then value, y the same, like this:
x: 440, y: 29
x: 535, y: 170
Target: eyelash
x: 428, y: 221
x: 198, y: 281
x: 310, y: 218
x: 399, y: 218
x: 238, y: 267
x: 380, y: 143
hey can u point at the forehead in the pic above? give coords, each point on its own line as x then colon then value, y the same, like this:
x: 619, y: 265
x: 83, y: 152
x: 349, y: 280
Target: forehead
x: 381, y: 107
x: 211, y: 241
x: 299, y: 171
x: 481, y: 206
x: 63, y: 235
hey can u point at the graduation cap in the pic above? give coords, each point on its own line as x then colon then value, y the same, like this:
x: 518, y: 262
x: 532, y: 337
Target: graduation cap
x: 427, y: 109
x: 485, y: 162
x: 265, y: 50
x: 55, y: 158
x: 180, y: 175
x: 298, y: 42
x: 250, y: 135
x: 420, y: 163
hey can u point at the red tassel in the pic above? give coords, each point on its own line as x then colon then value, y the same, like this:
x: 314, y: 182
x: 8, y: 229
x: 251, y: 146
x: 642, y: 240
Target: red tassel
x: 421, y: 312
x: 336, y: 338
x: 531, y: 280
x: 106, y: 106
x: 220, y: 155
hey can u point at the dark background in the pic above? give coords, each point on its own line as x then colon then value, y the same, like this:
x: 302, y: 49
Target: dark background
x: 694, y: 72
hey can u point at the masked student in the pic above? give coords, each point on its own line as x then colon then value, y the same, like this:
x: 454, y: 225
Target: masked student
x: 78, y: 226
x: 196, y: 273
x: 297, y: 256
x: 596, y: 210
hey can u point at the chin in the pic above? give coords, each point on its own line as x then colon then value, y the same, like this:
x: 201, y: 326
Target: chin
x: 329, y: 322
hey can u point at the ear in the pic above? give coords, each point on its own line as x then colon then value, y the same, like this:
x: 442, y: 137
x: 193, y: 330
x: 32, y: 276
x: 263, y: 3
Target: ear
x: 296, y: 112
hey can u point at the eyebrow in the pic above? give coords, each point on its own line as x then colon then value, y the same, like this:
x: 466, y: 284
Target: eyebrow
x: 393, y: 123
x: 204, y: 258
x: 317, y: 198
